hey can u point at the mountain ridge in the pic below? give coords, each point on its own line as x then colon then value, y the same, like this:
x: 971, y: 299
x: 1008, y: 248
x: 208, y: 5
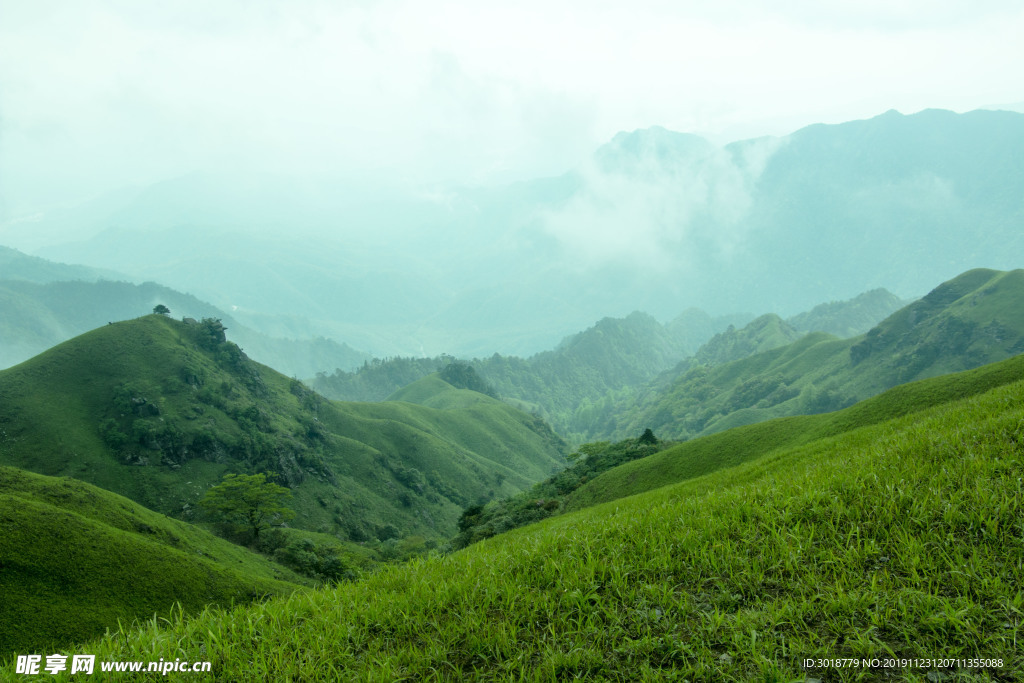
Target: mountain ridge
x: 157, y: 410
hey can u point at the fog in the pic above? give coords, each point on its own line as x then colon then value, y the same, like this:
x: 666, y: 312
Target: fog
x: 660, y: 200
x: 100, y: 96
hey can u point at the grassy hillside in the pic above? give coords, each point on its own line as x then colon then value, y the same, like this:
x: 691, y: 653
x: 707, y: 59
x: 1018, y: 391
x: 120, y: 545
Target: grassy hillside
x: 158, y: 410
x: 898, y: 540
x: 76, y: 559
x: 707, y: 454
x: 976, y: 318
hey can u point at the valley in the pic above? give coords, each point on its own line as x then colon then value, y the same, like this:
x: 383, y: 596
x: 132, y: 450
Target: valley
x: 686, y: 411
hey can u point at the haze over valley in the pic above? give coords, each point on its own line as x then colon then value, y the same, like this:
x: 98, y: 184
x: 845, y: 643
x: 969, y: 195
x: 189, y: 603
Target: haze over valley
x: 386, y: 341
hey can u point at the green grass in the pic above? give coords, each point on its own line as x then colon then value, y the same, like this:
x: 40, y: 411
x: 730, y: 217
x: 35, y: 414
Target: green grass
x: 75, y: 560
x: 900, y: 539
x: 742, y: 444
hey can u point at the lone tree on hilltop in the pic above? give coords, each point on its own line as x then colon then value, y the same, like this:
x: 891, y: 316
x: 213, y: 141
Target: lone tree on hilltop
x: 248, y: 501
x: 160, y: 309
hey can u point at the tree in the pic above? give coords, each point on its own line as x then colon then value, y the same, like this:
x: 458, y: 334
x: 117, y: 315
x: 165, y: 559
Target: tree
x: 248, y: 501
x: 648, y: 438
x: 160, y: 309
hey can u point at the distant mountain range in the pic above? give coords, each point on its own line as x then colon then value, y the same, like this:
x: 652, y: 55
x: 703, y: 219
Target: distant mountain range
x: 657, y: 221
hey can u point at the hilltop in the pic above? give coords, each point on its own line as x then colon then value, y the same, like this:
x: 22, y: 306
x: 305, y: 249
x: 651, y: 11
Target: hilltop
x: 43, y: 304
x: 157, y: 410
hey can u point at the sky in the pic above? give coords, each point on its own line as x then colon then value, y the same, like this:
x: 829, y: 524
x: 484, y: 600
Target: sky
x: 99, y: 95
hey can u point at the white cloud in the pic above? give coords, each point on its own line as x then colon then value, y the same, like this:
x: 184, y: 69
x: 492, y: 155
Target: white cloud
x: 658, y: 199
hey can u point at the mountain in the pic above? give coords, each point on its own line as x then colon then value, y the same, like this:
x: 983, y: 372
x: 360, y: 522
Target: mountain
x: 656, y: 221
x: 973, y: 319
x: 569, y: 385
x: 761, y: 334
x: 770, y: 570
x: 35, y: 316
x: 77, y: 559
x: 157, y: 410
x: 14, y: 265
x: 849, y: 318
x: 580, y: 385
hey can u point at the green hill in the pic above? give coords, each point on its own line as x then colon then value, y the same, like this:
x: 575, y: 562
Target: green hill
x: 77, y: 559
x: 157, y: 410
x: 35, y: 316
x: 898, y: 541
x: 975, y: 318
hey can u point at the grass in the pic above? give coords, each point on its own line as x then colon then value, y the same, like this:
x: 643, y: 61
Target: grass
x: 77, y: 559
x: 901, y: 539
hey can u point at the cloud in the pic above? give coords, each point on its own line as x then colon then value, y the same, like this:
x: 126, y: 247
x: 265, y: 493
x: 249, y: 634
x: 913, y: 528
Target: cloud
x: 660, y: 200
x: 108, y: 93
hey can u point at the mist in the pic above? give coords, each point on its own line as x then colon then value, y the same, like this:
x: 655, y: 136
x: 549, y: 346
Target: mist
x: 109, y: 95
x: 462, y: 178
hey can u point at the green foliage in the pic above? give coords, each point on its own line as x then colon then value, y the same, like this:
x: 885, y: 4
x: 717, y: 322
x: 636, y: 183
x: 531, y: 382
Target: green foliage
x: 160, y: 309
x: 249, y: 502
x: 898, y: 540
x: 549, y: 497
x: 317, y: 560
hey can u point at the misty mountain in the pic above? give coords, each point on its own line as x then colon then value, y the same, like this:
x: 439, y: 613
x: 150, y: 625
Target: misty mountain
x: 34, y: 317
x: 611, y: 357
x: 849, y: 318
x: 581, y: 385
x: 655, y: 220
x: 14, y: 265
x: 764, y: 333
